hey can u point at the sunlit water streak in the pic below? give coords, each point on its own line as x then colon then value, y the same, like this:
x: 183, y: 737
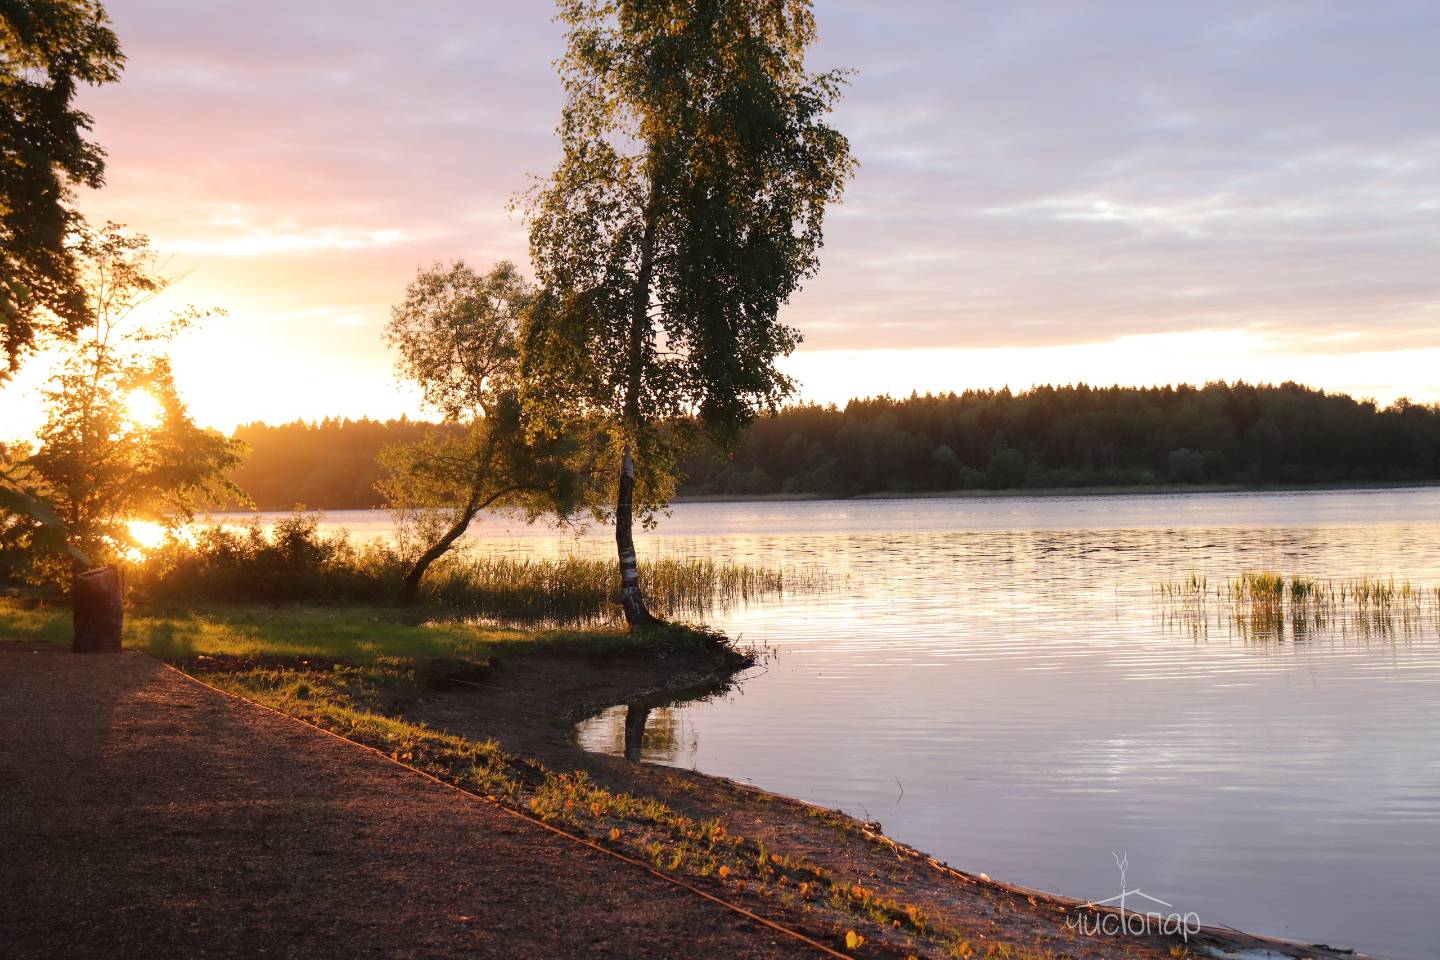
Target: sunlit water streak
x: 997, y: 685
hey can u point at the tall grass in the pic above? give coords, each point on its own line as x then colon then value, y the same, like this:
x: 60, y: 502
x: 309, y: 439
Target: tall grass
x: 584, y: 588
x: 1265, y: 604
x: 295, y: 563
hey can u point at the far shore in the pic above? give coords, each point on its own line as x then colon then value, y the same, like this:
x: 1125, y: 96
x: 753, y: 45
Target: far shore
x: 1154, y: 489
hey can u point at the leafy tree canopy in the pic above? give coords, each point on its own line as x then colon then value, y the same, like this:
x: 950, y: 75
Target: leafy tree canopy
x: 686, y: 209
x: 455, y: 333
x: 48, y: 49
x: 696, y: 166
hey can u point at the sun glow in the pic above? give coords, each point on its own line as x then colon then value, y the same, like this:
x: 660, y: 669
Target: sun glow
x: 144, y: 409
x: 147, y: 536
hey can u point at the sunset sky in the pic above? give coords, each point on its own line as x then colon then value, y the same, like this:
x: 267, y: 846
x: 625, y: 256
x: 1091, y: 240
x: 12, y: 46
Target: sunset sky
x: 1049, y: 191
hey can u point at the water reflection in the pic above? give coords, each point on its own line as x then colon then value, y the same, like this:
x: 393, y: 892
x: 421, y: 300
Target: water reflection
x: 638, y: 732
x: 1041, y: 712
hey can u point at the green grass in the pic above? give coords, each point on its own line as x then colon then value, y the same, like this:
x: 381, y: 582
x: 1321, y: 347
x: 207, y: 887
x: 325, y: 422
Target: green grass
x: 359, y: 635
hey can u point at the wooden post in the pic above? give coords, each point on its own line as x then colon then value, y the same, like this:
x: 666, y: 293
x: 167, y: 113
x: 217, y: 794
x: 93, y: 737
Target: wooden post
x: 99, y: 610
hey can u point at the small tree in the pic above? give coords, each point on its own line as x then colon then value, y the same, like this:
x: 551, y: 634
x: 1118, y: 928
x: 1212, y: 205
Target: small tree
x: 455, y: 332
x: 117, y: 443
x: 48, y: 48
x: 686, y: 209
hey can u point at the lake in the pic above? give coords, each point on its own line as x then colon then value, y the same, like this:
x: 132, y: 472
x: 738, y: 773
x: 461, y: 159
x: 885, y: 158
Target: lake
x: 996, y: 682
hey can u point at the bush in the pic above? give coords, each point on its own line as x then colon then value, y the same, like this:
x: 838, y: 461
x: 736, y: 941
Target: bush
x: 294, y: 562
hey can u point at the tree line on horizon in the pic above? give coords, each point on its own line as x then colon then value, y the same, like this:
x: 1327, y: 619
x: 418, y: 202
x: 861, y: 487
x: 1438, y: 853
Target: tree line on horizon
x: 1045, y: 438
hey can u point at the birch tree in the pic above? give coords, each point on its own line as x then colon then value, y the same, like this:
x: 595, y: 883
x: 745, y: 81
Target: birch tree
x: 697, y: 162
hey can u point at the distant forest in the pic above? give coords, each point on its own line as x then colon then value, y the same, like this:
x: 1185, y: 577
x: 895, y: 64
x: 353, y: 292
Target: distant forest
x: 1047, y: 437
x: 329, y: 464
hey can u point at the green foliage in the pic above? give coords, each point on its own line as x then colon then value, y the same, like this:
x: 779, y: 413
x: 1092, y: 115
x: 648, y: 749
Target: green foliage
x: 686, y: 209
x: 1186, y: 466
x: 48, y: 48
x: 1076, y: 436
x: 99, y: 464
x: 292, y: 563
x: 29, y: 524
x: 331, y: 464
x: 456, y: 336
x: 455, y: 333
x: 436, y: 485
x: 1006, y: 470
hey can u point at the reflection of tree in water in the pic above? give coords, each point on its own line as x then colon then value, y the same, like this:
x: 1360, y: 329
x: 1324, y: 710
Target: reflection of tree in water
x: 652, y: 728
x: 652, y: 734
x: 642, y: 732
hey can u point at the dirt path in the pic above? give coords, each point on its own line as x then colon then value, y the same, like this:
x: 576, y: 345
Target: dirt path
x: 142, y: 815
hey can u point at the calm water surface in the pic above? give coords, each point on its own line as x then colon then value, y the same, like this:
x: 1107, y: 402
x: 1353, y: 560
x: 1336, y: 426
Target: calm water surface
x: 997, y: 685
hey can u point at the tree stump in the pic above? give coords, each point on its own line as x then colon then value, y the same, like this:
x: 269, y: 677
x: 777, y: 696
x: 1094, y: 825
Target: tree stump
x: 99, y: 610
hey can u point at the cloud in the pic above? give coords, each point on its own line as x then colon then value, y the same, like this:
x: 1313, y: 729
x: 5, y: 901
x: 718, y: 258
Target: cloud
x: 1033, y: 173
x: 233, y: 231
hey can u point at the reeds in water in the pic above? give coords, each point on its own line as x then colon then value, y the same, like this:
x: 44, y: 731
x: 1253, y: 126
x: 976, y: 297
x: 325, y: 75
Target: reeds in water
x: 570, y: 589
x: 1266, y: 605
